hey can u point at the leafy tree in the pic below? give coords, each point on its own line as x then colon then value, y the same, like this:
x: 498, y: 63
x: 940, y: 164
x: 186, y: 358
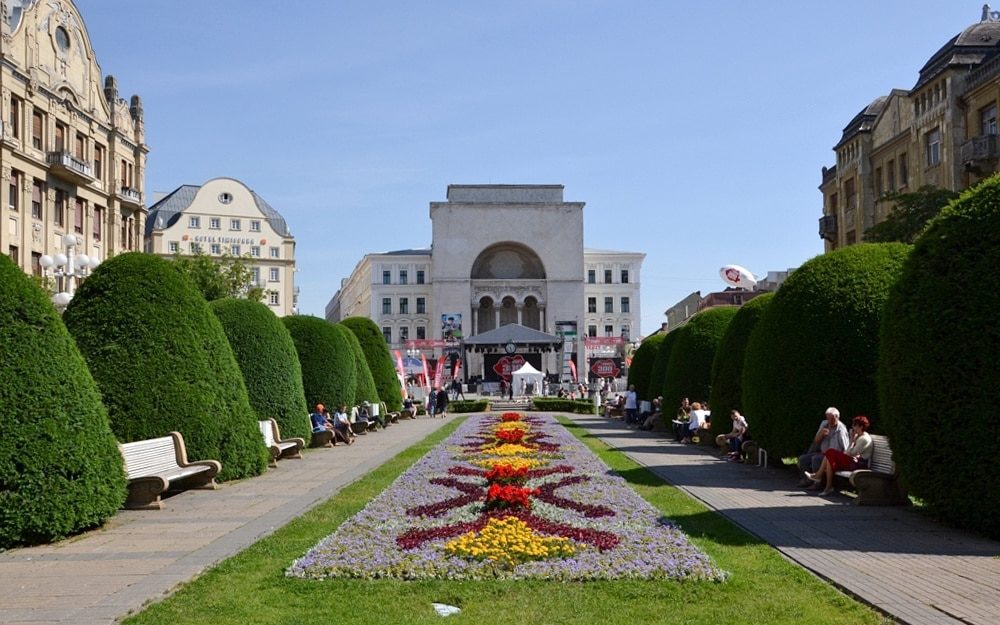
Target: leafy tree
x: 329, y: 375
x: 642, y: 366
x: 689, y: 370
x: 379, y: 360
x: 365, y: 389
x: 910, y: 215
x: 216, y: 278
x: 60, y: 469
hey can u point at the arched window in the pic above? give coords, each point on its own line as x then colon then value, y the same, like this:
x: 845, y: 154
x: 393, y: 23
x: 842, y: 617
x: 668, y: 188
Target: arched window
x: 508, y: 313
x: 486, y: 316
x: 508, y: 261
x: 530, y: 316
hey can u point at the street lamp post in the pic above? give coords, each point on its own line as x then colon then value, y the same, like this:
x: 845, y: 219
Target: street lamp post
x: 67, y: 268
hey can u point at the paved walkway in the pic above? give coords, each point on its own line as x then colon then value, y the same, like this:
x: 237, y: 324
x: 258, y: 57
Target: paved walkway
x: 100, y: 576
x: 905, y: 565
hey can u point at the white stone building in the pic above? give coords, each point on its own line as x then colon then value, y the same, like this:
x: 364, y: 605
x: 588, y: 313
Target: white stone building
x: 500, y: 254
x: 225, y: 217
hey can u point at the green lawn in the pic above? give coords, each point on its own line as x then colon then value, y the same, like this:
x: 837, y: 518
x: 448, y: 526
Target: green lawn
x: 763, y: 587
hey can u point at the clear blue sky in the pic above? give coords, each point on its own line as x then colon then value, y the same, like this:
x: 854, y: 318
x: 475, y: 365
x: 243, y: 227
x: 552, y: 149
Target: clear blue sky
x: 694, y: 131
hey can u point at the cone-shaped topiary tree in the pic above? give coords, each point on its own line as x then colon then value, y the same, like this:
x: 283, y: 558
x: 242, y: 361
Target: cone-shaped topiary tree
x: 658, y: 374
x: 365, y: 388
x: 268, y: 361
x: 329, y: 376
x: 162, y: 362
x: 379, y: 360
x: 642, y: 366
x: 727, y: 369
x: 689, y: 371
x: 60, y: 469
x: 938, y: 376
x: 817, y: 346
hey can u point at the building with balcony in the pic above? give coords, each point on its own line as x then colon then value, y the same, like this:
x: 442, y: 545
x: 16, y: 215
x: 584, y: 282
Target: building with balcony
x: 941, y: 132
x: 223, y: 217
x: 72, y: 151
x: 500, y: 254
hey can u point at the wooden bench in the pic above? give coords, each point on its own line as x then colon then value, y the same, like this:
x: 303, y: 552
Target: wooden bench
x: 879, y: 484
x: 359, y: 427
x: 390, y: 417
x: 323, y: 438
x: 287, y: 448
x: 155, y: 465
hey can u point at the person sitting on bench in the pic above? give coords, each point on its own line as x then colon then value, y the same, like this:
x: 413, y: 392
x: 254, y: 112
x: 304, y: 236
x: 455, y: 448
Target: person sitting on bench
x: 857, y: 456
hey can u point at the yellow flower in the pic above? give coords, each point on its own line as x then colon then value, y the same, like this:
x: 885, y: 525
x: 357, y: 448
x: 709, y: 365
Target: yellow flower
x: 507, y: 542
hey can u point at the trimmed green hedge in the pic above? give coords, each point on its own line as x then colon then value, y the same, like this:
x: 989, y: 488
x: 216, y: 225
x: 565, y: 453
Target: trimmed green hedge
x: 689, y: 371
x: 641, y: 369
x: 364, y: 388
x: 60, y: 469
x: 578, y: 406
x: 658, y: 374
x: 329, y: 375
x: 727, y: 369
x: 817, y: 346
x: 162, y: 362
x: 938, y: 375
x: 471, y: 405
x: 379, y: 360
x: 268, y: 361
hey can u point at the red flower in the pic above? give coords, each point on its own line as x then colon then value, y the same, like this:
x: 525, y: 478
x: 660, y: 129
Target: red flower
x: 510, y: 496
x: 510, y: 416
x: 506, y: 474
x: 510, y: 436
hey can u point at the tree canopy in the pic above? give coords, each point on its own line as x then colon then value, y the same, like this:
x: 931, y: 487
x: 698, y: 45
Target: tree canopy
x: 910, y: 215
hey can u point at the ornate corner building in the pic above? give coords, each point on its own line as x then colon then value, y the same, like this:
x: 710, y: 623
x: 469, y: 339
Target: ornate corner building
x: 942, y: 132
x: 73, y: 153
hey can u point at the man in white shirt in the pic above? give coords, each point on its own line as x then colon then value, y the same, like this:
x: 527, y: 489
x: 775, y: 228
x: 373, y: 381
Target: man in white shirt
x: 631, y: 414
x: 831, y: 434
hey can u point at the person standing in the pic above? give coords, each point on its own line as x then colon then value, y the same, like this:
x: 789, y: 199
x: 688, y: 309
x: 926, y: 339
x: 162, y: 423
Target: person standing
x: 441, y: 403
x: 631, y: 407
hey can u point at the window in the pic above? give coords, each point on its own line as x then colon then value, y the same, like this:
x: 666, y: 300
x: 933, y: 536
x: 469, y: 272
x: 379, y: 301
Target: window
x: 591, y: 276
x: 933, y: 146
x: 78, y: 215
x: 609, y: 304
x: 173, y: 247
x: 126, y: 174
x: 37, y: 126
x: 404, y: 334
x: 878, y: 182
x: 625, y: 332
x: 235, y: 250
x: 988, y: 120
x: 274, y: 274
x: 195, y: 248
x: 404, y: 306
x: 890, y: 172
x: 99, y: 161
x: 421, y: 306
x: 36, y: 263
x: 421, y: 332
x: 624, y: 276
x: 386, y: 306
x: 60, y: 138
x: 36, y: 199
x: 194, y: 222
x: 60, y: 208
x: 255, y: 225
x: 215, y: 249
x: 78, y: 145
x: 592, y: 331
x: 402, y: 276
x: 255, y: 276
x: 607, y: 276
x: 255, y: 251
x: 14, y: 253
x: 420, y: 276
x: 14, y: 124
x: 272, y: 298
x: 13, y: 190
x: 97, y: 225
x: 625, y: 305
x: 591, y: 304
x: 387, y: 334
x: 386, y: 277
x: 275, y: 252
x: 214, y: 223
x: 234, y: 224
x: 609, y: 330
x: 904, y: 172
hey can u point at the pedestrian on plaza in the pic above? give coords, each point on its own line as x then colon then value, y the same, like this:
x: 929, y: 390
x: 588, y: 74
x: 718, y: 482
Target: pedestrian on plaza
x: 631, y: 407
x: 832, y: 434
x: 441, y: 403
x: 510, y: 391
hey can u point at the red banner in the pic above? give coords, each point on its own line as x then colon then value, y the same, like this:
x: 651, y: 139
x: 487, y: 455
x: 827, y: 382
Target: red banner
x: 427, y: 343
x: 602, y: 341
x: 427, y: 377
x: 605, y: 367
x: 507, y: 365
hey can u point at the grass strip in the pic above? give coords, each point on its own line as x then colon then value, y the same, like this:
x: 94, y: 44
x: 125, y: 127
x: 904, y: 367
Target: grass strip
x: 764, y: 588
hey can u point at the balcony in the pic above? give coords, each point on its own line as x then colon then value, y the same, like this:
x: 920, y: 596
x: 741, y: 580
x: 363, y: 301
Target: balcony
x: 70, y: 168
x: 128, y: 195
x: 828, y: 227
x: 978, y: 150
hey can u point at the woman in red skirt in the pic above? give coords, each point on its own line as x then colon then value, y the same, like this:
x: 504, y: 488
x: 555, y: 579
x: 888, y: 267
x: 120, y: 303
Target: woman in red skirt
x: 857, y: 456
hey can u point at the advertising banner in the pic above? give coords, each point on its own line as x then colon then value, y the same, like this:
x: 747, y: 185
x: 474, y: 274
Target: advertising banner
x: 605, y: 367
x: 451, y: 327
x: 501, y: 365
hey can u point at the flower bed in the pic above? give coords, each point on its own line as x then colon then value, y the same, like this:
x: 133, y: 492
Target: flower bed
x: 479, y: 506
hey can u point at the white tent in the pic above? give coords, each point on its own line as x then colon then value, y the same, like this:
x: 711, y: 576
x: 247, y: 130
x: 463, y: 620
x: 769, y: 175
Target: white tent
x: 527, y: 380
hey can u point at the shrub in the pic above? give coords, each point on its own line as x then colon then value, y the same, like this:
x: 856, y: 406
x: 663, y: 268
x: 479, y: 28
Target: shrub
x: 60, y: 469
x: 727, y: 368
x: 817, y: 346
x: 379, y: 360
x: 162, y: 362
x: 471, y: 405
x: 268, y: 361
x: 364, y: 388
x: 689, y: 370
x: 642, y: 366
x: 555, y: 404
x: 329, y: 376
x: 658, y: 374
x: 938, y: 377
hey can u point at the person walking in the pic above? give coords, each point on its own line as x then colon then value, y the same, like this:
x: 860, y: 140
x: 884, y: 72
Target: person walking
x: 441, y: 403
